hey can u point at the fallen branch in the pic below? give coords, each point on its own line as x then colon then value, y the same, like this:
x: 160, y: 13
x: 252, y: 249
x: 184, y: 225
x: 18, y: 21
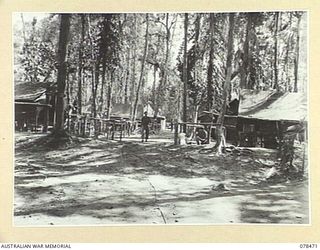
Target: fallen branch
x: 155, y: 201
x: 164, y: 220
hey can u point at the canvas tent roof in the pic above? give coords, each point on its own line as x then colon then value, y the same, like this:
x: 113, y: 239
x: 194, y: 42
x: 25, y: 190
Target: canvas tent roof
x: 121, y: 110
x: 271, y: 105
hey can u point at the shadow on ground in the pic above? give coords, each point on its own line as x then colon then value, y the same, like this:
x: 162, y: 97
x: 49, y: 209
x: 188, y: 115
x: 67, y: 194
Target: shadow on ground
x: 98, y: 181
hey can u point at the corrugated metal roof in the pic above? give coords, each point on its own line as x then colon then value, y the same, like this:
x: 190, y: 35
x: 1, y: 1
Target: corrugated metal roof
x: 30, y: 90
x: 33, y: 104
x: 271, y: 105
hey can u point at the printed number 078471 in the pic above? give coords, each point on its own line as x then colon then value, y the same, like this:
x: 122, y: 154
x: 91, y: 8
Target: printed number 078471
x: 307, y: 246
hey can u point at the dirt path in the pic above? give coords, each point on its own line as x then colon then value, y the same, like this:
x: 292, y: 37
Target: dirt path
x: 111, y: 182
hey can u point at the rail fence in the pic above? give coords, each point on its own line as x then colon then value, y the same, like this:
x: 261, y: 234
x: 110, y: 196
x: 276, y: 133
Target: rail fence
x: 112, y: 129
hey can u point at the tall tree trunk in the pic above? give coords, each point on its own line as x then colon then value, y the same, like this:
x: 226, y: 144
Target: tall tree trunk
x: 244, y: 71
x: 103, y: 84
x: 154, y: 94
x: 296, y: 59
x: 220, y: 131
x: 210, y: 70
x: 127, y: 77
x: 133, y: 75
x: 93, y: 96
x: 23, y: 28
x: 155, y: 90
x: 197, y: 62
x: 210, y: 65
x: 109, y: 94
x: 275, y: 62
x: 143, y: 62
x: 80, y: 68
x: 62, y: 70
x: 96, y: 78
x: 287, y: 61
x: 185, y: 76
x: 94, y: 71
x: 68, y: 86
x: 164, y: 69
x: 196, y: 66
x: 71, y: 98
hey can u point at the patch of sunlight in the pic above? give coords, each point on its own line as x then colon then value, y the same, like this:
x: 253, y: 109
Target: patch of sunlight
x: 163, y: 183
x: 268, y: 208
x: 101, y: 163
x: 77, y: 162
x: 214, y: 210
x: 285, y: 201
x: 151, y: 154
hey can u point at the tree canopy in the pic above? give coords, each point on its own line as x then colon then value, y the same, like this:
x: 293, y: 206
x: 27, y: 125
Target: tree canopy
x: 139, y: 58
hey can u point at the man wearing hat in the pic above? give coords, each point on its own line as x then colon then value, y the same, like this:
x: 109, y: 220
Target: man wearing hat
x: 145, y: 121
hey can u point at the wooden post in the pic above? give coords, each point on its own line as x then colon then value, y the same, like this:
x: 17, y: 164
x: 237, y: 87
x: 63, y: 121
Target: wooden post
x: 71, y: 129
x: 79, y: 126
x: 176, y: 133
x: 125, y: 130
x: 208, y: 135
x: 37, y: 118
x: 73, y: 125
x: 55, y: 110
x: 99, y: 126
x: 76, y: 126
x: 113, y: 130
x: 121, y: 125
x: 107, y: 129
x: 89, y: 120
x: 68, y: 123
x: 46, y: 114
x: 84, y: 126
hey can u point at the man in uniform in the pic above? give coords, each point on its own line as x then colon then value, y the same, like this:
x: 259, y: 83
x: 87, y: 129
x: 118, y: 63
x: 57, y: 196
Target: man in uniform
x: 145, y: 121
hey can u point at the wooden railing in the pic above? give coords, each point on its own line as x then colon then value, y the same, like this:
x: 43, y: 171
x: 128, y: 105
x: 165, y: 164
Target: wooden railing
x: 87, y: 127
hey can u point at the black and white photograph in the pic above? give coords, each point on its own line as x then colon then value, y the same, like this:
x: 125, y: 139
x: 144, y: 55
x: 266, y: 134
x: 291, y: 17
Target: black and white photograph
x: 137, y: 118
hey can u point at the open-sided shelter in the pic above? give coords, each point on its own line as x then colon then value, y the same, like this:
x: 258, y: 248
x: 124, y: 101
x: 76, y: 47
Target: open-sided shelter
x: 230, y: 120
x: 265, y: 115
x: 33, y: 106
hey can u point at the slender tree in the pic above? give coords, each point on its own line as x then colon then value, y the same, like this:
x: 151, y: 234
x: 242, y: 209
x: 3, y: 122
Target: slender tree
x: 126, y: 87
x: 143, y: 62
x: 80, y: 67
x: 210, y: 64
x: 296, y: 59
x: 185, y: 76
x: 62, y: 70
x: 161, y: 93
x: 133, y: 70
x: 245, y: 57
x: 195, y: 68
x: 220, y: 131
x: 275, y: 59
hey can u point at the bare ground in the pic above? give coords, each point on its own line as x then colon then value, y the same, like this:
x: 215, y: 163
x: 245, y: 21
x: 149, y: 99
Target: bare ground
x: 103, y: 182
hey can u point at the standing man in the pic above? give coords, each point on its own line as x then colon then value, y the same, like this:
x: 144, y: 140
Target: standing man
x: 145, y: 121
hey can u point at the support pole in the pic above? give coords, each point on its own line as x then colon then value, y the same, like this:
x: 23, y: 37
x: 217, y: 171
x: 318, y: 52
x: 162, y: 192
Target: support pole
x: 176, y: 133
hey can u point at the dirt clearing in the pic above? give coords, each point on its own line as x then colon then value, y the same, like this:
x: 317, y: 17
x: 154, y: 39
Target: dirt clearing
x: 103, y: 182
